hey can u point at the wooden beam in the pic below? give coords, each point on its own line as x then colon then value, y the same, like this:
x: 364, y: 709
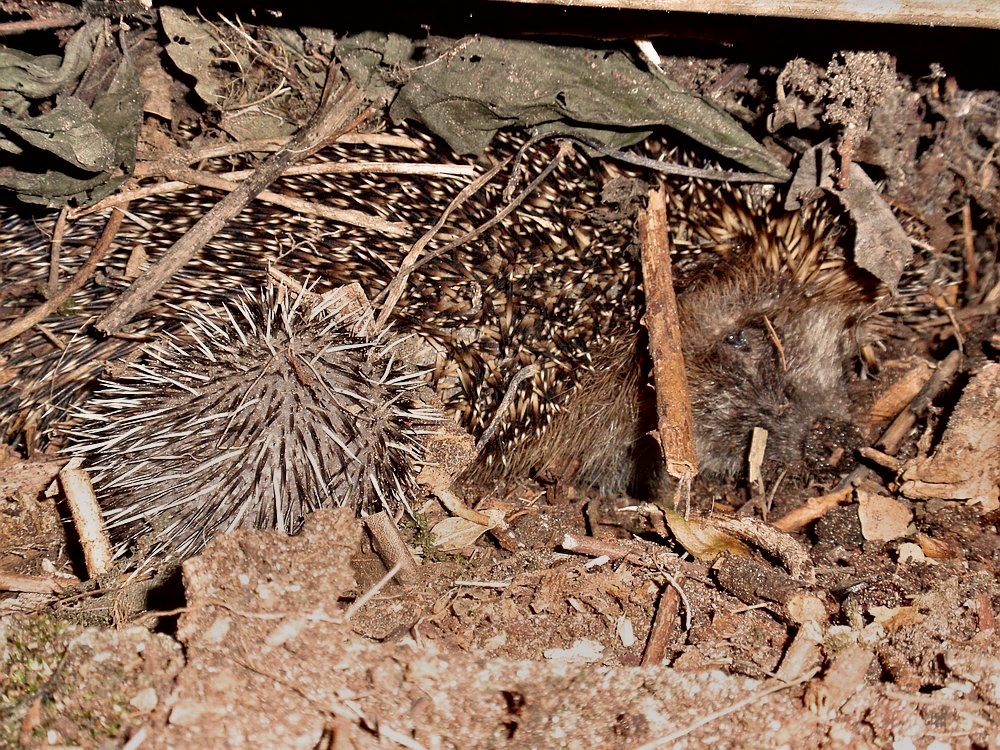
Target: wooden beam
x: 976, y: 13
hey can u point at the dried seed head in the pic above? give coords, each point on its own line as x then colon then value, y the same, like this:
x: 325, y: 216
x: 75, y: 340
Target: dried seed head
x: 261, y: 412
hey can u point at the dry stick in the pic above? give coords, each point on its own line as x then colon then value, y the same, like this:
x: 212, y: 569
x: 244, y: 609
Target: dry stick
x: 183, y: 178
x: 340, y: 100
x: 410, y: 263
x: 373, y: 591
x: 41, y: 312
x: 391, y: 548
x: 35, y: 584
x: 159, y: 169
x: 673, y: 402
x: 971, y: 277
x: 215, y: 151
x: 941, y: 377
x: 394, y: 290
x: 663, y: 624
x: 671, y: 168
x: 814, y: 509
x: 308, y: 208
x: 523, y: 374
x: 87, y: 519
x: 732, y: 708
x: 896, y: 398
x: 631, y: 552
x: 565, y: 148
x: 127, y: 196
x: 57, y: 239
x: 38, y: 24
x: 804, y: 653
x: 817, y: 507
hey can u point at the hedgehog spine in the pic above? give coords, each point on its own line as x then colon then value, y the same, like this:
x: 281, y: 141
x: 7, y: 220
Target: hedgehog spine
x: 272, y: 412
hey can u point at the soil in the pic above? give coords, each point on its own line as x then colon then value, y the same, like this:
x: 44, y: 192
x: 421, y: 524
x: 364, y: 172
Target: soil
x: 855, y: 617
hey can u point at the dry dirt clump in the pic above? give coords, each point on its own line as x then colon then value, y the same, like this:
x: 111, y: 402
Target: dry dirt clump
x: 845, y: 610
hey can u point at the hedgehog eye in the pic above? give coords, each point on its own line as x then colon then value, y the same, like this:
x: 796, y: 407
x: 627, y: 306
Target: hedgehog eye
x: 738, y: 340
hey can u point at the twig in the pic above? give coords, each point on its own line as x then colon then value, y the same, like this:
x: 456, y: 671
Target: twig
x: 565, y: 149
x: 410, y: 263
x: 971, y: 277
x: 297, y: 205
x: 804, y: 653
x: 523, y: 374
x: 483, y: 584
x: 266, y: 57
x: 127, y: 196
x: 394, y: 290
x: 217, y: 150
x: 57, y: 239
x: 633, y: 552
x: 39, y: 24
x: 391, y: 549
x: 814, y: 508
x: 663, y: 623
x: 45, y: 309
x: 398, y: 737
x: 87, y: 520
x: 663, y: 167
x: 161, y: 169
x: 675, y: 424
x: 661, y: 741
x: 183, y: 179
x: 373, y: 591
x: 340, y: 100
x: 137, y: 739
x: 593, y: 547
x: 942, y: 376
x: 35, y: 584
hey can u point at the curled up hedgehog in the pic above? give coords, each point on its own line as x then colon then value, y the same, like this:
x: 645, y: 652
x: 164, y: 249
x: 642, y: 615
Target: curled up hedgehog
x: 254, y: 411
x: 262, y: 411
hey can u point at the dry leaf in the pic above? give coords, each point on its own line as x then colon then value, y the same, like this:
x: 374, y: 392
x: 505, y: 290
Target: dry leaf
x: 894, y: 618
x: 966, y: 465
x: 453, y: 534
x: 702, y: 538
x: 882, y: 518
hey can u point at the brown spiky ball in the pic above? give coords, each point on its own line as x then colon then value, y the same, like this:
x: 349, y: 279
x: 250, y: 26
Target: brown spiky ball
x: 259, y: 413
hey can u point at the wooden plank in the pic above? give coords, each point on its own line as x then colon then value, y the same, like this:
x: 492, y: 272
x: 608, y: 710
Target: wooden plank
x: 975, y: 13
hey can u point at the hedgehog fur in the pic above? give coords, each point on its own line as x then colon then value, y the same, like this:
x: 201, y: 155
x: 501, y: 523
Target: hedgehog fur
x: 263, y: 411
x: 556, y: 286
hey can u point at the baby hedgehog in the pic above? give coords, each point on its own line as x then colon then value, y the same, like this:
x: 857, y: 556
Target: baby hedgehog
x: 258, y: 414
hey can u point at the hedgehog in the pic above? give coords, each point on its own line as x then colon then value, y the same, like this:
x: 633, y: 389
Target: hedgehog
x: 772, y: 317
x: 302, y: 413
x: 768, y: 324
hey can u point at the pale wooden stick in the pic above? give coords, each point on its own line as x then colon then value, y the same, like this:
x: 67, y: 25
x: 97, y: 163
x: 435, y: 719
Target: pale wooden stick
x: 88, y: 520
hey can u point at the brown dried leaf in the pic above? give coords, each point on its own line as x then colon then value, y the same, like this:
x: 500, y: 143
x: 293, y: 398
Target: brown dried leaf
x: 966, y: 465
x: 702, y: 538
x: 453, y: 534
x: 882, y: 518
